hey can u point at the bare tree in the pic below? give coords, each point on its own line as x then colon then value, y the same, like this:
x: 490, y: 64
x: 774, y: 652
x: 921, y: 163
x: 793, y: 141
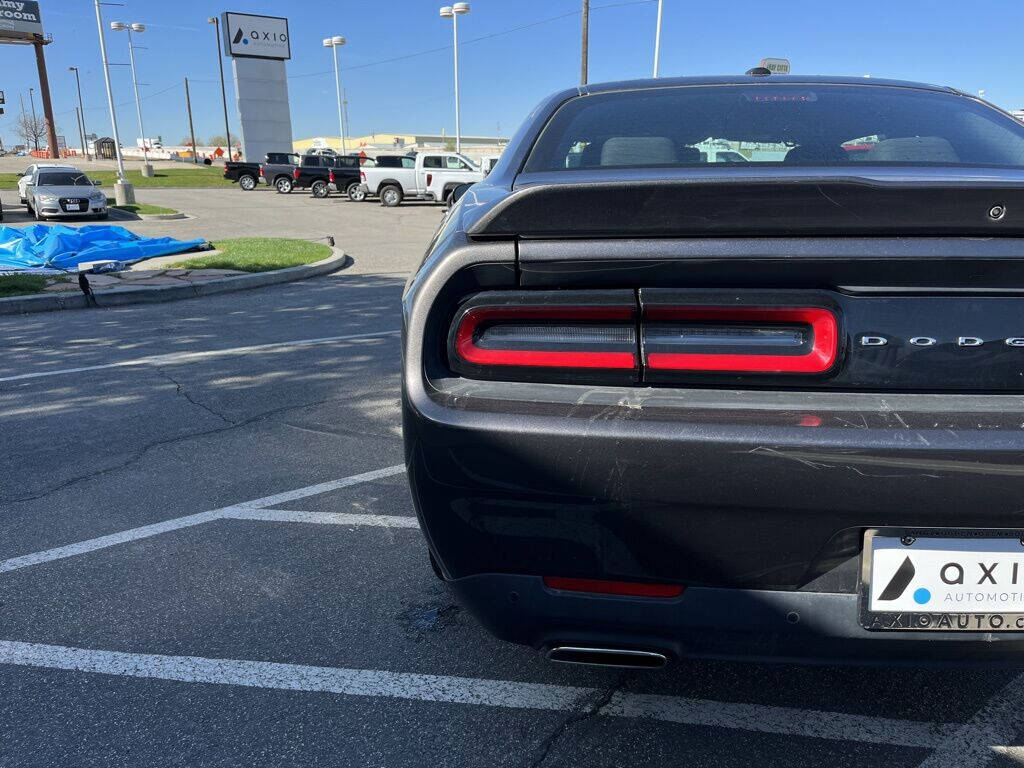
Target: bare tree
x: 30, y: 129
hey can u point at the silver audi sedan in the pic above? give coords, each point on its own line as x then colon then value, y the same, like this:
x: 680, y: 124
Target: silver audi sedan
x: 54, y: 193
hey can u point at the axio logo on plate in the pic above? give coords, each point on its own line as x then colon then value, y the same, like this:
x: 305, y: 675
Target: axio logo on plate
x: 900, y: 581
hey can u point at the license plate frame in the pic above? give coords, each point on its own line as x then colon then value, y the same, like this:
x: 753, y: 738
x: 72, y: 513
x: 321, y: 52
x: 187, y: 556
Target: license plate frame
x: 975, y: 622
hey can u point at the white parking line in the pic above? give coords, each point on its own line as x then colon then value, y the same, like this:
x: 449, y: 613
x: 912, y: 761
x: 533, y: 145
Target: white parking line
x: 321, y: 518
x: 332, y: 485
x: 102, y: 542
x: 476, y: 691
x: 246, y: 510
x: 176, y: 358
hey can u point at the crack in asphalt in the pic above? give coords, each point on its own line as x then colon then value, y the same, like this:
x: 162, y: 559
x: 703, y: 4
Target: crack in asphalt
x: 180, y: 390
x: 594, y: 710
x: 139, y: 454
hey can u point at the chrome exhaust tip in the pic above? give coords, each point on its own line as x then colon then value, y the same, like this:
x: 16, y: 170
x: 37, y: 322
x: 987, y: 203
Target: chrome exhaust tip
x: 607, y: 657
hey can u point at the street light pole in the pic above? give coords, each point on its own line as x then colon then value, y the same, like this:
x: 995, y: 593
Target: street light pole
x: 584, y: 41
x: 124, y: 194
x: 120, y: 26
x: 334, y: 43
x: 453, y: 12
x: 223, y: 89
x: 81, y: 112
x: 657, y: 40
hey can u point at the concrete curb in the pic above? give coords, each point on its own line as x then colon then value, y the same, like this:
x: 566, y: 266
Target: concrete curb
x: 46, y: 302
x: 161, y: 216
x: 117, y: 213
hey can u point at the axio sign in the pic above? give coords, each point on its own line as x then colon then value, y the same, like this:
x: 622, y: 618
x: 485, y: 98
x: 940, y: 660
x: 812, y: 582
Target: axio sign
x: 254, y: 37
x: 20, y: 18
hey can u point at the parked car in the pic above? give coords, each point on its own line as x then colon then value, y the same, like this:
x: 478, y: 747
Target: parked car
x: 248, y: 174
x: 430, y: 176
x: 26, y: 177
x: 281, y: 175
x: 62, y: 193
x: 655, y: 407
x: 337, y: 170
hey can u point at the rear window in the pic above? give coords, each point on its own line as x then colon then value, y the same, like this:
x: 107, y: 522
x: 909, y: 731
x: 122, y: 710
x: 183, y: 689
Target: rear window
x: 790, y: 124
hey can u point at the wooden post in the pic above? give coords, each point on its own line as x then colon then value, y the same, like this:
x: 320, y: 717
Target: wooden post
x: 191, y: 130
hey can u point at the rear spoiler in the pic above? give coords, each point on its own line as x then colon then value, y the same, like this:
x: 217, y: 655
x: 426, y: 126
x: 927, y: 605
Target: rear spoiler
x: 754, y: 207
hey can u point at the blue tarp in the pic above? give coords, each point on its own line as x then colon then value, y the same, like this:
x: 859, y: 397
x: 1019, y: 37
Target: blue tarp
x: 42, y: 247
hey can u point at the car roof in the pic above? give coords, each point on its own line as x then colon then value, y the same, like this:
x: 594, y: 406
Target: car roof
x: 668, y: 82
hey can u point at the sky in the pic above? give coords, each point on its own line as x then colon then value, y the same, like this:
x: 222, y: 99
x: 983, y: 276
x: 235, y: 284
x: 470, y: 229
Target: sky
x: 397, y: 64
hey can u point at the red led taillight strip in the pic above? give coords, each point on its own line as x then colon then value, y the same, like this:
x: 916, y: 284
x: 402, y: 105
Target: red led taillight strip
x: 602, y: 587
x: 467, y: 349
x: 820, y: 358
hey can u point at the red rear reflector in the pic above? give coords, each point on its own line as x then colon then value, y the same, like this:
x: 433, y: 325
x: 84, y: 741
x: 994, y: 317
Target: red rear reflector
x: 547, y: 337
x: 809, y: 334
x: 601, y: 587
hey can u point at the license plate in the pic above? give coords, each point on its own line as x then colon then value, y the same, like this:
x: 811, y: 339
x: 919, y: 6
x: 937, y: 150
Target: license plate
x: 951, y: 581
x: 74, y: 207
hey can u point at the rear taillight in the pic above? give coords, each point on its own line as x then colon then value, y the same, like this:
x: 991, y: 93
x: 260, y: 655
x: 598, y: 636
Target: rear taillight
x: 665, y: 337
x: 330, y: 176
x: 262, y: 172
x: 362, y: 177
x: 295, y: 173
x: 430, y: 178
x: 739, y: 339
x: 565, y: 335
x: 603, y: 587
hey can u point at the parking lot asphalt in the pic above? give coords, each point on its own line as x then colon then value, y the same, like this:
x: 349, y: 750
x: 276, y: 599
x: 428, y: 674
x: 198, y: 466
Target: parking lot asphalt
x: 209, y: 556
x: 386, y: 240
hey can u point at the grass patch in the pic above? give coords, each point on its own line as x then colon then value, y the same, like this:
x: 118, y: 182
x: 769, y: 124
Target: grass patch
x: 139, y: 207
x: 259, y: 254
x: 188, y: 176
x: 21, y: 285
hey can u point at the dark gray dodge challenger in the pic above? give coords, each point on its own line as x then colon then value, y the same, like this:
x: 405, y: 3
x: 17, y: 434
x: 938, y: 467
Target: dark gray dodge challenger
x: 731, y: 367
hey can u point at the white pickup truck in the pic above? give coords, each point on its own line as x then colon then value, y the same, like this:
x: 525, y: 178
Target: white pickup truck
x: 430, y: 176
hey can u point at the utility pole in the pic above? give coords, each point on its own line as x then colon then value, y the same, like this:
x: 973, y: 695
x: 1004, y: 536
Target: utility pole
x: 191, y: 130
x: 584, y: 44
x: 44, y: 87
x: 81, y: 112
x: 35, y: 136
x: 81, y: 133
x: 223, y: 89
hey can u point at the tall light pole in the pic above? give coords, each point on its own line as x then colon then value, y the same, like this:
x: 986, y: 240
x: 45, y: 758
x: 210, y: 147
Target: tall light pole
x: 657, y: 39
x: 81, y: 113
x: 584, y: 41
x: 124, y: 194
x: 120, y: 26
x: 223, y: 89
x: 334, y: 43
x: 453, y: 12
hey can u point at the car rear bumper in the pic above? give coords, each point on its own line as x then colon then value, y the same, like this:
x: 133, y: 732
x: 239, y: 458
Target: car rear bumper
x: 766, y: 490
x: 768, y: 625
x: 756, y: 502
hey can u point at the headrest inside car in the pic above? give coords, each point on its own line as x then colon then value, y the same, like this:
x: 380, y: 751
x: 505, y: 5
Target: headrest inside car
x: 639, y: 150
x: 914, y: 149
